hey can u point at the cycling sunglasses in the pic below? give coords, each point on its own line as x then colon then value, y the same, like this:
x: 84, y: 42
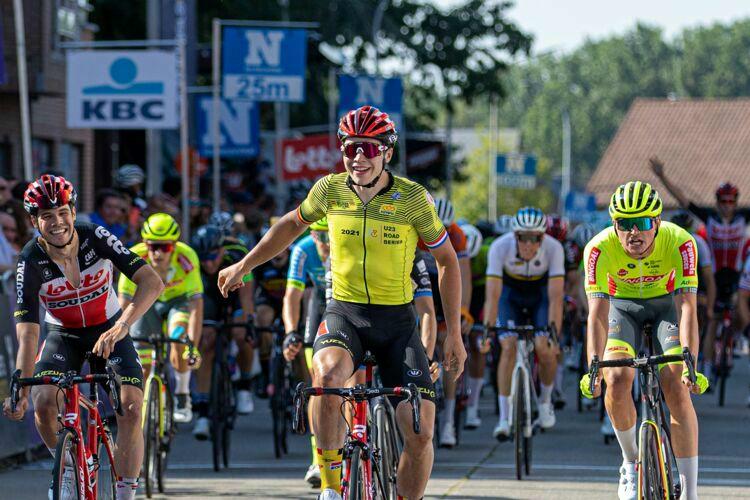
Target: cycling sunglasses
x: 322, y: 236
x: 166, y: 247
x: 369, y: 149
x: 529, y: 238
x: 206, y: 257
x: 642, y: 223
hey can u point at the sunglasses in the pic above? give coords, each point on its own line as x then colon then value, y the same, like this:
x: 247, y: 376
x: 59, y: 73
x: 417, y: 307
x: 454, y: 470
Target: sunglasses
x: 161, y: 247
x: 369, y: 149
x: 642, y: 223
x: 209, y: 256
x: 727, y: 201
x: 322, y: 236
x: 529, y: 238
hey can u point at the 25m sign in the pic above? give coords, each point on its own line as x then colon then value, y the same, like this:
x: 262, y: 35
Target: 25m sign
x: 263, y: 64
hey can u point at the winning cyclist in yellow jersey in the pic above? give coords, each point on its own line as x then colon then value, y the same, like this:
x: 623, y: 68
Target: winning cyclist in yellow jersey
x: 180, y: 304
x: 374, y: 222
x: 643, y: 270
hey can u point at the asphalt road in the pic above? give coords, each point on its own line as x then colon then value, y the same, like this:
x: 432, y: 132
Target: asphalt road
x: 570, y: 461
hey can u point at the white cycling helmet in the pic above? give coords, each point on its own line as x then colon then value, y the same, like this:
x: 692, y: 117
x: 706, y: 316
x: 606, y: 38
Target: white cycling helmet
x: 583, y: 233
x: 473, y: 239
x: 445, y: 211
x: 129, y: 175
x: 529, y: 219
x: 223, y: 221
x: 503, y: 225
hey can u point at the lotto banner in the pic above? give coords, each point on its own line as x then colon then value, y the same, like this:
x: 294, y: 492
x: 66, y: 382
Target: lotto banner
x: 310, y: 158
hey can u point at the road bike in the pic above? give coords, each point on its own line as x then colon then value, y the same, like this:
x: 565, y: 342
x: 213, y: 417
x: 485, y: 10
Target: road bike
x: 658, y: 475
x: 723, y: 349
x: 523, y: 399
x: 371, y: 448
x: 280, y: 388
x: 157, y: 414
x: 85, y: 448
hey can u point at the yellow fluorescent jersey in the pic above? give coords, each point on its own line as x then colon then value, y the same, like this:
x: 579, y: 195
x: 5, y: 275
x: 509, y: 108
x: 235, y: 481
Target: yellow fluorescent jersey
x: 373, y: 244
x: 670, y: 267
x: 183, y: 278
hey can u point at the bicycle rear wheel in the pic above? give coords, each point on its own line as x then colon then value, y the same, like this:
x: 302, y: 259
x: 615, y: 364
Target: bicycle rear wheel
x: 229, y: 408
x: 166, y: 437
x: 106, y: 478
x: 519, y: 421
x: 650, y: 478
x: 66, y: 447
x: 278, y: 408
x: 216, y: 411
x: 357, y: 484
x: 151, y: 439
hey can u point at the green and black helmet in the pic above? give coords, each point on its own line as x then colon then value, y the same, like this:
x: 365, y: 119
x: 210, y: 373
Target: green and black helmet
x: 635, y: 199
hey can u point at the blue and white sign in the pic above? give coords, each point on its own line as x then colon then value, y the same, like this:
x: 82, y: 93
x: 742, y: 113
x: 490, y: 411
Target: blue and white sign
x: 578, y: 201
x: 239, y: 127
x: 386, y: 94
x: 516, y: 170
x: 122, y: 89
x: 264, y: 64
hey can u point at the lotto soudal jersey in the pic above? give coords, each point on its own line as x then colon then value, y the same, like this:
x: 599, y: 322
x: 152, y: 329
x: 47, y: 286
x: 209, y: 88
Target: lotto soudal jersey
x: 724, y: 237
x: 40, y: 281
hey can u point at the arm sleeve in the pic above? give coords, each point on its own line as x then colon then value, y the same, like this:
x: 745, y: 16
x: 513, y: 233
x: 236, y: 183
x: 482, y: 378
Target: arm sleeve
x: 110, y: 247
x: 557, y: 258
x: 595, y: 266
x: 125, y: 287
x: 685, y: 262
x: 315, y: 206
x: 425, y: 218
x: 496, y: 259
x: 421, y: 278
x: 28, y: 284
x: 295, y: 276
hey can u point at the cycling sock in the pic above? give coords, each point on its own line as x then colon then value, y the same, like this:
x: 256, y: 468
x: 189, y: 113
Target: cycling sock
x: 448, y: 411
x: 628, y: 444
x: 126, y: 487
x: 502, y: 402
x: 183, y: 382
x: 688, y: 477
x: 546, y: 393
x: 475, y: 389
x: 329, y: 462
x: 559, y: 377
x: 314, y: 449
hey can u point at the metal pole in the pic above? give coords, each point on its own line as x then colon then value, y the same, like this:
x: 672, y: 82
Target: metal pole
x: 23, y: 89
x: 448, y: 152
x: 492, y: 169
x: 565, y: 187
x: 153, y: 136
x: 332, y: 109
x: 179, y: 7
x: 281, y: 119
x: 216, y: 110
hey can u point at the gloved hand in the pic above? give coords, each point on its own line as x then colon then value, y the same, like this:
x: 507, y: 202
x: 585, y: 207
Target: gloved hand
x: 585, y: 386
x: 701, y: 382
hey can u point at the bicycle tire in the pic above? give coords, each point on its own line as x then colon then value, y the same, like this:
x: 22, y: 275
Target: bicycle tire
x: 518, y: 423
x: 106, y: 479
x: 151, y: 439
x: 229, y: 409
x: 356, y: 490
x: 650, y: 483
x: 527, y: 453
x: 217, y: 415
x: 278, y: 411
x: 385, y: 442
x: 66, y: 445
x: 166, y: 438
x: 669, y: 462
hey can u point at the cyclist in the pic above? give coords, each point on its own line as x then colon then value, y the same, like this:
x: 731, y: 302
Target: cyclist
x: 68, y: 270
x: 457, y: 238
x: 525, y: 272
x: 180, y: 305
x: 215, y: 253
x: 557, y: 227
x: 374, y: 220
x: 706, y: 283
x: 644, y: 270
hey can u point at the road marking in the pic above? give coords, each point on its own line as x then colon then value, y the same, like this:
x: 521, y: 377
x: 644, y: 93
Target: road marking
x: 457, y: 485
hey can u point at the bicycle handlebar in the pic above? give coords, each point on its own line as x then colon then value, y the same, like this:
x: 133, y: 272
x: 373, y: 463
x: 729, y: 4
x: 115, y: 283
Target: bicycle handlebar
x: 641, y: 363
x: 159, y: 339
x: 526, y: 330
x: 357, y: 393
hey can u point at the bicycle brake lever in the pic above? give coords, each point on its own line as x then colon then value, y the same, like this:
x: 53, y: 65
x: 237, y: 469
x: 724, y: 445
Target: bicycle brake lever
x: 15, y: 390
x: 114, y: 383
x: 593, y: 373
x: 688, y: 357
x: 298, y: 417
x: 415, y: 398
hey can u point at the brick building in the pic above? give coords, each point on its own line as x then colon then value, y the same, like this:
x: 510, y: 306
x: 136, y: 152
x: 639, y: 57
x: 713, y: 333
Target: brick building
x: 54, y: 146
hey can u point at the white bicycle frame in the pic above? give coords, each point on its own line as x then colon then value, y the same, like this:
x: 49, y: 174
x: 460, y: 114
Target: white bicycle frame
x: 522, y: 369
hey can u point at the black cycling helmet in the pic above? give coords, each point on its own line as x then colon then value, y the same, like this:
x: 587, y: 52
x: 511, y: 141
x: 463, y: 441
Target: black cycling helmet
x: 206, y: 240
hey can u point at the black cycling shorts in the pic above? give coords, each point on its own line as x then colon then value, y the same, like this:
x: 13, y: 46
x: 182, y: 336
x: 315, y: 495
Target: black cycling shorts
x: 727, y: 281
x: 390, y: 333
x: 315, y: 310
x: 62, y: 352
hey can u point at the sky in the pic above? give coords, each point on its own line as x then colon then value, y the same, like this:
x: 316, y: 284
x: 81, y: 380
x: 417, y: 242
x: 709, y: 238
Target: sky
x: 563, y: 25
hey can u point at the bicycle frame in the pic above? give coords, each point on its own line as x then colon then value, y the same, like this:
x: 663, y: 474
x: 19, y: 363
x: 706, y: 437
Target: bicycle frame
x: 358, y: 442
x: 157, y: 368
x: 522, y: 369
x: 650, y: 389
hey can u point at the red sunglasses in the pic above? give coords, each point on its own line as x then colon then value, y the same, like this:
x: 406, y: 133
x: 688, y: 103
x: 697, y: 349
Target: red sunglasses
x: 161, y: 247
x: 369, y: 149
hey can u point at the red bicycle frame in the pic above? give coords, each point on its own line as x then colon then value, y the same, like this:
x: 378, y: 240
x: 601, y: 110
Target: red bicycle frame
x: 359, y: 441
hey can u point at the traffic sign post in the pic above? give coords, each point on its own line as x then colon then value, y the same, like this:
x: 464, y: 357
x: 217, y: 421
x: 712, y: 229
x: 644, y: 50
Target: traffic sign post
x: 516, y: 170
x: 239, y: 125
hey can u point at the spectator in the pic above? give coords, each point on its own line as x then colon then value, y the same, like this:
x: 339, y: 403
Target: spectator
x: 10, y: 230
x: 110, y: 211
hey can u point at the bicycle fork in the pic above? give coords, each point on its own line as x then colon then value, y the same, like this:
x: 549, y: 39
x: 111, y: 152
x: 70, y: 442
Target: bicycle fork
x: 144, y: 408
x: 520, y: 370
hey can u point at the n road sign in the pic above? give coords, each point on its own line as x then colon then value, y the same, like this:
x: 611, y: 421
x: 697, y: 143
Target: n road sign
x: 239, y: 126
x: 122, y: 89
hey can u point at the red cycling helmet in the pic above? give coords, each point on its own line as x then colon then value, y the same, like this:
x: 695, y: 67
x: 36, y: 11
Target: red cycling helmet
x: 727, y: 190
x: 368, y: 121
x: 557, y: 227
x: 49, y: 191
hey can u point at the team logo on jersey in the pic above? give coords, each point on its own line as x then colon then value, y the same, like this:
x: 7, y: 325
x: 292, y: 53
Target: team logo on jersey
x: 414, y: 373
x: 374, y: 233
x: 631, y: 265
x: 111, y: 240
x: 687, y: 251
x: 115, y: 360
x: 396, y: 195
x: 591, y: 265
x: 622, y: 272
x: 46, y: 273
x: 323, y: 328
x: 387, y: 209
x: 429, y: 198
x: 58, y: 356
x: 89, y: 257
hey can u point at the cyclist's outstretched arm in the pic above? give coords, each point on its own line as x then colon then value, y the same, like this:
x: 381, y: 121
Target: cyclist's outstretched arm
x: 657, y: 166
x: 597, y: 325
x: 427, y: 323
x: 277, y: 239
x: 449, y: 283
x: 148, y: 288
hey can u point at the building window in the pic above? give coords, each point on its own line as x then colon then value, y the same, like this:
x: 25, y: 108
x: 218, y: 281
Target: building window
x: 41, y: 156
x: 70, y: 161
x: 71, y: 16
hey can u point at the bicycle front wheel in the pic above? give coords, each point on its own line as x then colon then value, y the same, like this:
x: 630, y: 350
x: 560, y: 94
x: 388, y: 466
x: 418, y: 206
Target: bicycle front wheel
x: 385, y: 441
x: 519, y: 421
x: 357, y: 478
x: 217, y: 416
x: 106, y: 482
x: 65, y: 480
x: 651, y: 469
x: 166, y: 436
x: 151, y: 439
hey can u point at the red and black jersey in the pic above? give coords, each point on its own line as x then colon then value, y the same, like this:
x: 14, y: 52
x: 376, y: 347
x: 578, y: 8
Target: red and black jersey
x: 40, y: 281
x: 726, y: 239
x: 573, y: 255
